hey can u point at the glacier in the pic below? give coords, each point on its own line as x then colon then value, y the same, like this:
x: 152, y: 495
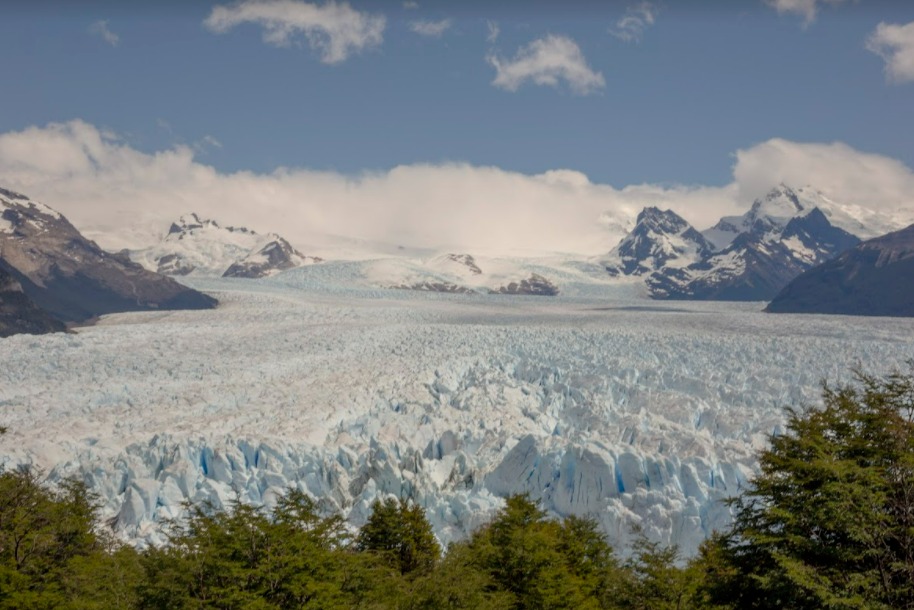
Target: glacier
x: 597, y: 402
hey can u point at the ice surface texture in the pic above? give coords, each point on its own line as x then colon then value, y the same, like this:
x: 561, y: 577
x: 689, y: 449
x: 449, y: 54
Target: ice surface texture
x: 631, y: 412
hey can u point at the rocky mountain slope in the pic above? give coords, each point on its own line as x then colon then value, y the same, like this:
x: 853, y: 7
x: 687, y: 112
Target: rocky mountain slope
x: 758, y: 263
x: 743, y: 258
x: 198, y: 246
x: 875, y: 278
x: 19, y: 314
x: 69, y: 276
x: 661, y: 238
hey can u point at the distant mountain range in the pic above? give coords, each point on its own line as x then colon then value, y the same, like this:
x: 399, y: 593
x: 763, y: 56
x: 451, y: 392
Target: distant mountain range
x: 875, y: 278
x: 744, y: 258
x: 196, y: 246
x: 51, y: 275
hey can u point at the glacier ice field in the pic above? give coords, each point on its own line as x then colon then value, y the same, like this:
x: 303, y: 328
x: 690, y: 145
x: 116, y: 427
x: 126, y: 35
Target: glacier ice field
x: 604, y: 405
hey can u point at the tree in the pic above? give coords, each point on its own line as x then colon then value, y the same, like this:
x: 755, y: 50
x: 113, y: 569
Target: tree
x: 399, y: 531
x: 540, y: 562
x: 829, y: 520
x: 244, y: 557
x: 41, y: 532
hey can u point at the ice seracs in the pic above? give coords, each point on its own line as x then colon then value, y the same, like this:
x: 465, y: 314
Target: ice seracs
x: 198, y: 246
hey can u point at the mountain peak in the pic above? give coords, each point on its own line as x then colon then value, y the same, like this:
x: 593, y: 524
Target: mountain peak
x: 660, y: 238
x: 780, y: 204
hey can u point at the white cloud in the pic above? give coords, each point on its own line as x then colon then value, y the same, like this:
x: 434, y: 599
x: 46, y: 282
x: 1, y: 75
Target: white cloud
x: 100, y: 29
x: 808, y: 9
x: 333, y: 30
x: 895, y: 44
x: 432, y: 29
x: 637, y: 18
x: 493, y: 31
x: 870, y: 180
x: 409, y: 5
x: 125, y: 197
x: 547, y: 61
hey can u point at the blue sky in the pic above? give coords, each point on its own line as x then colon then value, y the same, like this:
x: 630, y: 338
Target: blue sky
x: 705, y: 79
x: 663, y: 93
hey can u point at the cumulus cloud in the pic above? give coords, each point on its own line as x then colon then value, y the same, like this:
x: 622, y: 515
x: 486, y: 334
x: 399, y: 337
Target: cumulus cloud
x: 895, y: 44
x: 637, y: 18
x: 100, y: 29
x: 808, y: 9
x: 547, y: 61
x: 431, y: 29
x: 334, y: 30
x: 124, y: 197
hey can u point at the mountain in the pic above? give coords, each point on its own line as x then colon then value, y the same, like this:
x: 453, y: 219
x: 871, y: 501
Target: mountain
x: 660, y: 238
x: 204, y: 247
x: 467, y: 274
x: 276, y: 255
x: 875, y: 278
x: 70, y: 277
x: 19, y: 314
x: 783, y: 203
x: 776, y: 240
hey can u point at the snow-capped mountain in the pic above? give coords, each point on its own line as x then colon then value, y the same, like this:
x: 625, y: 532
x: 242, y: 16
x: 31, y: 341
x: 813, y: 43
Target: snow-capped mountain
x: 197, y: 246
x: 875, y: 278
x: 758, y: 263
x: 69, y: 276
x: 274, y: 256
x: 661, y: 238
x: 748, y: 257
x: 782, y: 203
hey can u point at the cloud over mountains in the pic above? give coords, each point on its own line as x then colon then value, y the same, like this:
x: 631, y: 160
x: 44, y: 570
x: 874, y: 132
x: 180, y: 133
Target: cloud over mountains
x: 115, y: 191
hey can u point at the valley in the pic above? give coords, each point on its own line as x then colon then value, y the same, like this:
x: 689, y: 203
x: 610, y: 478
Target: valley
x: 591, y: 401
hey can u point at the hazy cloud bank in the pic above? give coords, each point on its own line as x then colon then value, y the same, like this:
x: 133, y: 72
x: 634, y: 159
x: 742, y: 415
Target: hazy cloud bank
x: 126, y: 196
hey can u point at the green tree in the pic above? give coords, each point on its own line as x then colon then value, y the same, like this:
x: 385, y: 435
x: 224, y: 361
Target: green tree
x: 653, y: 580
x: 41, y: 532
x: 246, y: 558
x: 540, y: 562
x: 829, y: 521
x: 400, y: 532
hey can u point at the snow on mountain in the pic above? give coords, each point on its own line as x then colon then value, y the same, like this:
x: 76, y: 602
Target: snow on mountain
x: 660, y: 238
x: 69, y: 276
x: 876, y: 278
x: 465, y: 273
x: 627, y: 411
x: 773, y: 211
x: 274, y: 256
x: 759, y: 262
x: 195, y: 246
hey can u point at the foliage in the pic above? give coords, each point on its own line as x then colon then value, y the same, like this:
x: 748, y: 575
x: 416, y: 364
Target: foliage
x: 399, y: 532
x: 40, y: 531
x: 829, y: 521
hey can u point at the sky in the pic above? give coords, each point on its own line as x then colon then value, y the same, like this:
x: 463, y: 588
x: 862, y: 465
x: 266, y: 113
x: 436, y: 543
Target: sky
x: 522, y: 125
